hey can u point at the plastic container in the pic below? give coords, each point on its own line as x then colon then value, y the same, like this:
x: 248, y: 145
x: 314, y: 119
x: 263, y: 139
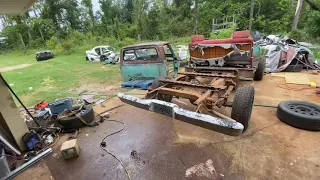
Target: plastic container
x: 59, y: 106
x: 4, y: 168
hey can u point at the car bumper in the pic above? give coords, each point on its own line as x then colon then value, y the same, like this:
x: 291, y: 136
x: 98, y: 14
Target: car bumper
x: 44, y: 57
x: 174, y: 111
x: 93, y: 58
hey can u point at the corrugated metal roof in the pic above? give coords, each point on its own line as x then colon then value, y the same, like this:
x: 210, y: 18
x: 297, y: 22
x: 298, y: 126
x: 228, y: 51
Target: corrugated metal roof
x: 15, y: 7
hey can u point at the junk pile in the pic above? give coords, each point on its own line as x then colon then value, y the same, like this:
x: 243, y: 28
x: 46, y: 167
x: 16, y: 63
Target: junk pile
x: 62, y: 114
x: 285, y: 54
x: 46, y: 121
x: 183, y: 53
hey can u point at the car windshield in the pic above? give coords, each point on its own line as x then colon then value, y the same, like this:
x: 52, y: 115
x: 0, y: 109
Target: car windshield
x: 144, y: 54
x: 105, y: 50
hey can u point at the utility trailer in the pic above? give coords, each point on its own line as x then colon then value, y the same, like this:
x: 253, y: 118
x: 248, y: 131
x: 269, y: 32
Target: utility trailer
x: 207, y: 88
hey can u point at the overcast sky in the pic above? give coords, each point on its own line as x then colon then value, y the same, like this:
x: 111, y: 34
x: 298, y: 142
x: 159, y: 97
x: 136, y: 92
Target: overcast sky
x: 96, y: 5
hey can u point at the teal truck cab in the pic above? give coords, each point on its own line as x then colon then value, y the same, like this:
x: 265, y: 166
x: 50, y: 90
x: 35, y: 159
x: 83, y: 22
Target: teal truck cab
x: 147, y: 61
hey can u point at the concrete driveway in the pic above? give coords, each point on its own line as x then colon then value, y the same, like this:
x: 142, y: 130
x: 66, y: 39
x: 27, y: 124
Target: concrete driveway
x: 153, y: 146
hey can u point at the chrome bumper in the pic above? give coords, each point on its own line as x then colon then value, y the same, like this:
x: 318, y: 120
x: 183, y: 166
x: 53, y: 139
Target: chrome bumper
x: 174, y: 111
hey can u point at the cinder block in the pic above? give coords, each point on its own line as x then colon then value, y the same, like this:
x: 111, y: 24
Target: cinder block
x: 70, y: 149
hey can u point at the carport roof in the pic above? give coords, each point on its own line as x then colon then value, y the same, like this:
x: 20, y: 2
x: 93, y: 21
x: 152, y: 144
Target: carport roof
x: 15, y: 7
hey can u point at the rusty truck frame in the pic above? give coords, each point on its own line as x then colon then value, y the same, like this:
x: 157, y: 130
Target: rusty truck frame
x: 207, y: 88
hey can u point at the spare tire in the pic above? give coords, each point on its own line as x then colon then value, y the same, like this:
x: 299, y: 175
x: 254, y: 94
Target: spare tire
x: 242, y: 105
x: 258, y: 75
x: 300, y: 114
x: 74, y: 122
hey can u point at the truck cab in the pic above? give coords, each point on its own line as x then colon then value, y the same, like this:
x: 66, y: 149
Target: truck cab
x: 147, y: 61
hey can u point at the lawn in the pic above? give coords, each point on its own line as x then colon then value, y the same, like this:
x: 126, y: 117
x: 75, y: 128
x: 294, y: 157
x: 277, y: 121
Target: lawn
x: 56, y: 78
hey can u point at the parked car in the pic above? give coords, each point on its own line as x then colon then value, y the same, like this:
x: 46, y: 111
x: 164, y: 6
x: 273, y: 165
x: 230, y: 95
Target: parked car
x: 101, y: 54
x: 44, y: 55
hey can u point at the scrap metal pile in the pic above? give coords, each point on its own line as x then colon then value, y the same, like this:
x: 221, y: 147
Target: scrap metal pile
x: 286, y: 54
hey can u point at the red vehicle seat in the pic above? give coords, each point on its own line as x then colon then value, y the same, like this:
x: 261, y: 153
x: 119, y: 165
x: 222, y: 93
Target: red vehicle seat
x: 196, y: 38
x: 209, y: 50
x: 224, y: 41
x: 238, y: 37
x: 241, y: 34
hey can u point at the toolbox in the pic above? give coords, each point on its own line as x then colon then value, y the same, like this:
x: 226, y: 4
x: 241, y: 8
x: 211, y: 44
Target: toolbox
x: 59, y: 106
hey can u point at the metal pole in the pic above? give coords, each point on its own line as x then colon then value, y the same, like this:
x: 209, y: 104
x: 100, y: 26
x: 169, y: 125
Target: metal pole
x: 251, y: 15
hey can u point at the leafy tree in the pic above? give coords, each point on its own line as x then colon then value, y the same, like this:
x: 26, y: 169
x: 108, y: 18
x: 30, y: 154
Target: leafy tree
x: 65, y: 24
x: 89, y: 9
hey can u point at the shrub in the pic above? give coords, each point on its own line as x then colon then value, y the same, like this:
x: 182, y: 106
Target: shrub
x: 312, y: 24
x: 67, y: 47
x: 52, y: 43
x: 37, y: 43
x: 64, y: 48
x: 297, y: 35
x: 77, y: 38
x: 227, y: 33
x: 127, y: 41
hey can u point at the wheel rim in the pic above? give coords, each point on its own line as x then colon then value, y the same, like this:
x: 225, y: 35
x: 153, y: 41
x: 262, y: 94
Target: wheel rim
x: 304, y: 109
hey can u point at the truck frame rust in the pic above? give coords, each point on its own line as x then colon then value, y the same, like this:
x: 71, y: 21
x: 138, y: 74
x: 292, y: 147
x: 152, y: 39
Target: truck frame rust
x: 207, y: 88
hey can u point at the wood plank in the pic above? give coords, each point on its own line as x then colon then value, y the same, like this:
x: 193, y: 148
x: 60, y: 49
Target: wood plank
x: 279, y: 74
x: 297, y: 78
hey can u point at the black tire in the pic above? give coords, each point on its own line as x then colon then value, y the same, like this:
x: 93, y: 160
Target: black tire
x: 103, y: 58
x: 300, y: 114
x: 74, y: 122
x: 242, y: 105
x: 163, y: 97
x: 294, y: 68
x: 258, y: 75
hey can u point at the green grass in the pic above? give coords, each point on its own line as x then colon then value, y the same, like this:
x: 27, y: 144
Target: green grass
x: 16, y: 59
x: 55, y: 78
x: 59, y: 77
x: 317, y: 54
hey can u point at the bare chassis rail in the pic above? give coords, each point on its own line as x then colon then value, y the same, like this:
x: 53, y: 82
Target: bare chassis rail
x: 206, y: 96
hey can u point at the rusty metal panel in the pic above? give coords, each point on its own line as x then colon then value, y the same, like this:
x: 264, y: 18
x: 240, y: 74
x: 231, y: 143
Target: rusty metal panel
x: 193, y: 85
x: 217, y: 51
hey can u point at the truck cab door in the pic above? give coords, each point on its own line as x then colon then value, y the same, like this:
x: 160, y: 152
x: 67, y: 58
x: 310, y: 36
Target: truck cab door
x: 171, y: 57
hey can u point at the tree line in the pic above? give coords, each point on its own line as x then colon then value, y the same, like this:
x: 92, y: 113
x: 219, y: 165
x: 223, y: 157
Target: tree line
x: 67, y: 23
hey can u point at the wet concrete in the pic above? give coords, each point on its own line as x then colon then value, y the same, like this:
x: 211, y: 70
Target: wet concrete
x: 166, y: 148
